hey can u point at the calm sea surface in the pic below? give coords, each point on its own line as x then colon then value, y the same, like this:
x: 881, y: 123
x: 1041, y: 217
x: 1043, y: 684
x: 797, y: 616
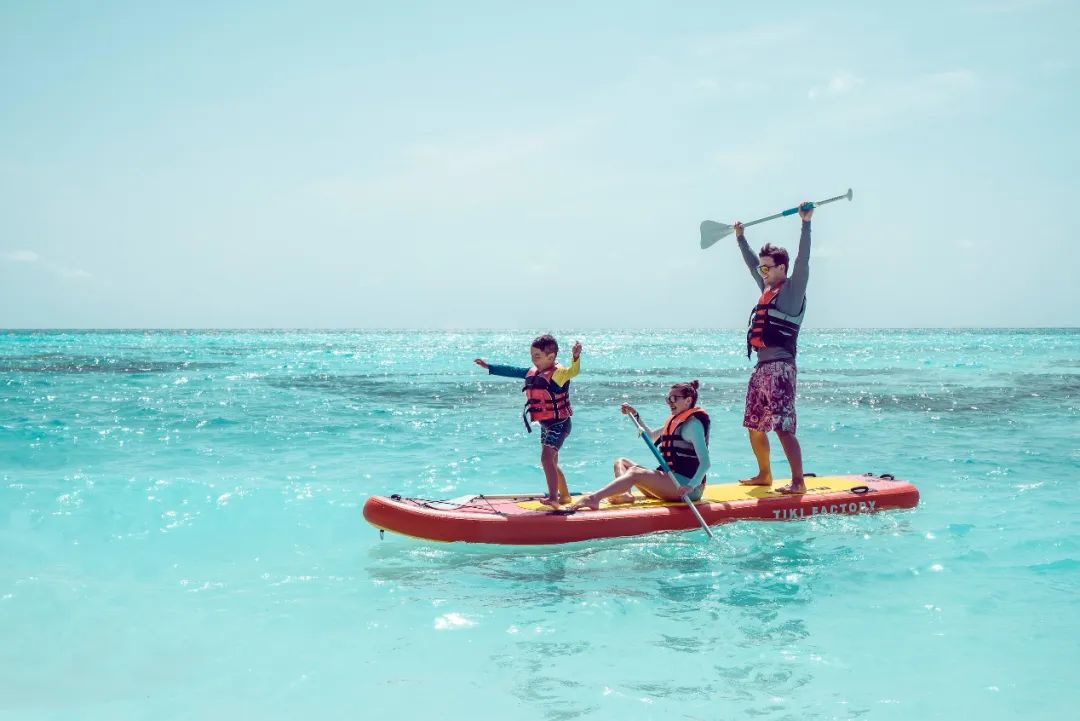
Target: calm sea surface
x: 181, y: 537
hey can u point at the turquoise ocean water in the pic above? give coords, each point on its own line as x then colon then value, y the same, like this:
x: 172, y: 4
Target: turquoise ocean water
x: 181, y: 537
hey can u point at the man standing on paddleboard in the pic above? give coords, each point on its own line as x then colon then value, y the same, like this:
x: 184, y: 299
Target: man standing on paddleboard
x: 772, y: 334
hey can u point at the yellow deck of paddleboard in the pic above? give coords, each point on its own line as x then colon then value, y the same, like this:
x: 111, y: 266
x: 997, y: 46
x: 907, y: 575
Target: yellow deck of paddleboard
x: 729, y: 492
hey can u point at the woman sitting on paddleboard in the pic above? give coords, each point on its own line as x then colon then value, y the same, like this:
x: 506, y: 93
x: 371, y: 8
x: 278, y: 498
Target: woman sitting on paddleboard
x: 684, y: 442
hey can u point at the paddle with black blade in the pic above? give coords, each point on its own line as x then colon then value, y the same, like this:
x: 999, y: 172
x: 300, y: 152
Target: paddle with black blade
x: 667, y: 469
x: 711, y: 231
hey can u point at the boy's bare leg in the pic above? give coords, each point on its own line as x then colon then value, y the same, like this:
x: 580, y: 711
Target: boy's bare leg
x: 793, y: 451
x: 549, y: 461
x: 564, y: 491
x: 759, y: 442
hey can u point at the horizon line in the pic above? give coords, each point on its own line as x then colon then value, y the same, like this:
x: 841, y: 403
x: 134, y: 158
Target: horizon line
x: 466, y: 329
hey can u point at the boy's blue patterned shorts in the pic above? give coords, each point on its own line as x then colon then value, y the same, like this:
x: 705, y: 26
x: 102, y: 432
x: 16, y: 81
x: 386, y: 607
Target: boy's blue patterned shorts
x: 553, y: 433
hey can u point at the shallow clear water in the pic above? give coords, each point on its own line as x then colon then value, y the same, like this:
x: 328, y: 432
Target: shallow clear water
x: 181, y: 538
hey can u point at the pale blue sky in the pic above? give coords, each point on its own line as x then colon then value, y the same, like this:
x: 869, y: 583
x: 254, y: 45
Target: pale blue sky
x: 536, y: 166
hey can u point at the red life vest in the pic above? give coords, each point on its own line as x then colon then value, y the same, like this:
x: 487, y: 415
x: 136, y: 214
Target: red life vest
x: 676, y: 450
x: 544, y: 400
x: 757, y: 320
x: 769, y: 327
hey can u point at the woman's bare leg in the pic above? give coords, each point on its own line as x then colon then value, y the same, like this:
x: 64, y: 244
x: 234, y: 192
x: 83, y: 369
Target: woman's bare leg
x: 655, y: 483
x: 623, y: 465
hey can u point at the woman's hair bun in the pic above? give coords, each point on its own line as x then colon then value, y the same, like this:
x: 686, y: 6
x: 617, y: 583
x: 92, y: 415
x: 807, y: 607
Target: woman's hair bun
x: 695, y: 383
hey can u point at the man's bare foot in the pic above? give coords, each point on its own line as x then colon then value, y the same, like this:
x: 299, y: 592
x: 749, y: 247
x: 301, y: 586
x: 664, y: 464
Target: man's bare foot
x: 622, y: 498
x: 547, y: 501
x: 761, y: 479
x: 586, y: 502
x: 792, y: 489
x: 563, y: 500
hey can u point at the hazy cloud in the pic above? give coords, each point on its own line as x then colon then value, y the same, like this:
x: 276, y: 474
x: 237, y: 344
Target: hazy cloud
x: 838, y: 85
x: 29, y: 256
x: 22, y: 256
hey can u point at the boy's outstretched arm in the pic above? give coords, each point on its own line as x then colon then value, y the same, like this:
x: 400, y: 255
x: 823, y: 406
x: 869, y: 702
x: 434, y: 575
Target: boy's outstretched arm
x: 498, y: 370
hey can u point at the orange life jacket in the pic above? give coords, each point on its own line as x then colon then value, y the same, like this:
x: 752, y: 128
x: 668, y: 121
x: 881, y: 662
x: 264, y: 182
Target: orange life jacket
x: 769, y: 327
x: 544, y: 399
x: 676, y: 450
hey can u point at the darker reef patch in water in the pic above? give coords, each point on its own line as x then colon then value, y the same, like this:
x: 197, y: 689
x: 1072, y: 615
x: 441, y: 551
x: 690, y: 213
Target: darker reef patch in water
x: 63, y: 363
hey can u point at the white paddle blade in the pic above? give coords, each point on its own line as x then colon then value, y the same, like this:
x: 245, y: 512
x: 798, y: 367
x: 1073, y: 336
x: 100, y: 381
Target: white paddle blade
x: 711, y: 231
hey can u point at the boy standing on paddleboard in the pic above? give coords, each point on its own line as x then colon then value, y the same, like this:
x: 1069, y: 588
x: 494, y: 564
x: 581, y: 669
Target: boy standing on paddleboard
x: 773, y: 333
x: 547, y: 402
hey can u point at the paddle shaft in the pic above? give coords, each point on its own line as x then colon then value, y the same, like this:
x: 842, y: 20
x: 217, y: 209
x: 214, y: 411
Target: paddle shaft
x: 792, y: 211
x: 667, y: 469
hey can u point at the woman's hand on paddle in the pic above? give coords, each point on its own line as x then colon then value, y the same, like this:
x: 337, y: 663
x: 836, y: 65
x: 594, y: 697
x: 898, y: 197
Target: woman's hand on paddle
x: 629, y: 410
x: 682, y: 488
x: 576, y: 350
x: 481, y: 362
x: 805, y: 214
x: 738, y: 229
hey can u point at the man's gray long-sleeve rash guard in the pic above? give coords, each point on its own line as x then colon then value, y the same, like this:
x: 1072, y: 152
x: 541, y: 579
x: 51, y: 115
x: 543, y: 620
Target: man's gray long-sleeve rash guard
x: 792, y: 294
